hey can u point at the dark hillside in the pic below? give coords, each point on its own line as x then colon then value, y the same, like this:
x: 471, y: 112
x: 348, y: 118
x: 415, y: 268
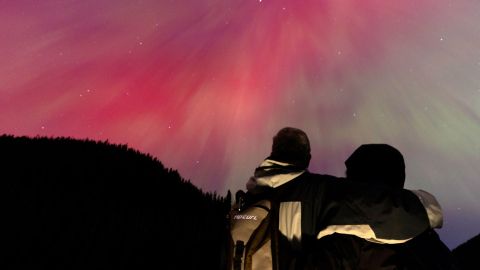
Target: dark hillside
x: 81, y: 204
x: 467, y: 253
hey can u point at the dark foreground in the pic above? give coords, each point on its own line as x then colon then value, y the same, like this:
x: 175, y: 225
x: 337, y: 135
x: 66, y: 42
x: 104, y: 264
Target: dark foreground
x: 72, y: 204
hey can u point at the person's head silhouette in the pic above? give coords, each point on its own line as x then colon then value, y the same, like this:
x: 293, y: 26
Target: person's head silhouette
x: 377, y: 163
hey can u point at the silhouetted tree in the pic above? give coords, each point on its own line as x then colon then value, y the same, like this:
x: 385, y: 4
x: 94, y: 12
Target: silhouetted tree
x: 82, y: 204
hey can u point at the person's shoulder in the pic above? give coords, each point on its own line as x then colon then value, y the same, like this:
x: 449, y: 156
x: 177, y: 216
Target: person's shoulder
x: 311, y: 184
x: 327, y: 184
x: 318, y: 176
x: 321, y: 177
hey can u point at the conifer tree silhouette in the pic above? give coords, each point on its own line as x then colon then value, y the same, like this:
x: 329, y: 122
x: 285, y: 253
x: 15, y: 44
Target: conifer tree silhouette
x: 83, y: 204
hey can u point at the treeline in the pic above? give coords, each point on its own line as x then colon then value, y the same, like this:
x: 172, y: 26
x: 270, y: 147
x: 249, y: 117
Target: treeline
x: 467, y: 253
x: 82, y: 204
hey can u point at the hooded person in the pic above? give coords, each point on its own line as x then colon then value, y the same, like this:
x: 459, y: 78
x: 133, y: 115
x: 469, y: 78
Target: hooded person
x: 383, y: 165
x: 312, y: 206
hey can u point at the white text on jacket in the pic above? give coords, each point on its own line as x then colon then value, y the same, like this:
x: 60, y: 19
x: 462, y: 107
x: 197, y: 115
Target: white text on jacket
x: 245, y: 217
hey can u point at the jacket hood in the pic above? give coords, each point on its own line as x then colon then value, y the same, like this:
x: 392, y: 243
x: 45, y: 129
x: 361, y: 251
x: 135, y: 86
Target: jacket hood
x: 272, y: 174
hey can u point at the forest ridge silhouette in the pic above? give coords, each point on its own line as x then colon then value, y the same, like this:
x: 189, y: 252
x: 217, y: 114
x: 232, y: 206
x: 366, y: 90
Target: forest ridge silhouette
x: 82, y: 204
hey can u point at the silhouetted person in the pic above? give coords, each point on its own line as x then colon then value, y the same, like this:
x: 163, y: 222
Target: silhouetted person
x: 384, y: 165
x: 311, y: 205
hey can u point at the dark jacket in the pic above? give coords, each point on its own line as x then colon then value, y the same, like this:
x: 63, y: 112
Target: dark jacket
x: 348, y: 252
x: 313, y: 205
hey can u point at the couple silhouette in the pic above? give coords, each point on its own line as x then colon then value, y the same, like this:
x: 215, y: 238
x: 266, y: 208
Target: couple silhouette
x: 364, y: 221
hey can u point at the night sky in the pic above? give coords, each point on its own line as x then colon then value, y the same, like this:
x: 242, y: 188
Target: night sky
x: 204, y: 85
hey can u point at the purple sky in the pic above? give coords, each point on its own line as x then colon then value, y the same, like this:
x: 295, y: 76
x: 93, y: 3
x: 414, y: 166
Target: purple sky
x: 204, y: 85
